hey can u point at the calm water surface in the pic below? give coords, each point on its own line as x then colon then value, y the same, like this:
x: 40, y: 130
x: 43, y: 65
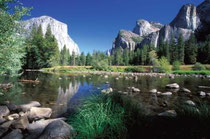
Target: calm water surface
x: 64, y: 92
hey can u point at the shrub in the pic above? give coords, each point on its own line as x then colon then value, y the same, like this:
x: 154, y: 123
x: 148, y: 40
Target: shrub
x: 176, y: 65
x: 199, y: 66
x: 102, y: 65
x: 134, y: 69
x: 117, y: 69
x: 99, y: 117
x: 164, y: 65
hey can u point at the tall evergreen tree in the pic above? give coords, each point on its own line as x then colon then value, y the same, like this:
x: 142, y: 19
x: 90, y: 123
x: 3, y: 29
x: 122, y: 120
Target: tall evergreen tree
x: 88, y: 59
x: 191, y: 50
x: 126, y: 57
x: 181, y: 48
x: 82, y: 59
x: 173, y: 51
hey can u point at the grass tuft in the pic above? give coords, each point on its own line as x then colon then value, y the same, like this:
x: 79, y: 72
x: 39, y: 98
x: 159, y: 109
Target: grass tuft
x: 99, y: 117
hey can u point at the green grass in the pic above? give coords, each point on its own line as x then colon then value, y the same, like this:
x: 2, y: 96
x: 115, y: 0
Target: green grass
x: 189, y: 72
x: 99, y: 117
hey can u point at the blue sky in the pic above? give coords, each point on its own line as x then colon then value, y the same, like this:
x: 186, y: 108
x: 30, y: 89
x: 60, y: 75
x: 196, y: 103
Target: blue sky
x: 93, y: 24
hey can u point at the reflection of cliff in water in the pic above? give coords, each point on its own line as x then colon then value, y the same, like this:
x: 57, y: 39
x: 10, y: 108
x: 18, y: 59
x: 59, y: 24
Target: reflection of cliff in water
x: 64, y: 95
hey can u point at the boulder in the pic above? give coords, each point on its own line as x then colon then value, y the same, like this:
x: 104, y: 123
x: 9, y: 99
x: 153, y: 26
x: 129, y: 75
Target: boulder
x: 4, y: 111
x: 166, y: 94
x: 12, y: 107
x: 2, y: 120
x: 21, y: 123
x: 189, y: 102
x: 4, y: 127
x: 39, y: 113
x: 135, y: 89
x: 202, y: 94
x: 57, y: 130
x: 13, y: 117
x: 185, y: 90
x: 204, y: 87
x: 153, y: 91
x: 15, y: 134
x: 107, y: 91
x: 169, y: 113
x: 36, y: 128
x: 27, y: 107
x: 172, y: 86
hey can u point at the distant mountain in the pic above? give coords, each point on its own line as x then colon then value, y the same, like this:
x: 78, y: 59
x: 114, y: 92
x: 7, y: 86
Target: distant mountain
x: 190, y: 19
x: 59, y: 30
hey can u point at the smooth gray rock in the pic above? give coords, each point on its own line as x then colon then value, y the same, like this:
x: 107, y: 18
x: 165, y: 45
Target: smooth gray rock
x: 15, y: 134
x: 13, y: 117
x: 172, y: 86
x: 153, y: 91
x: 57, y: 130
x: 166, y: 94
x: 135, y: 89
x: 202, y: 94
x: 2, y: 120
x: 39, y: 113
x: 169, y: 113
x: 27, y: 107
x: 21, y: 123
x: 4, y: 111
x: 185, y: 90
x: 4, y: 127
x: 190, y: 102
x: 36, y: 128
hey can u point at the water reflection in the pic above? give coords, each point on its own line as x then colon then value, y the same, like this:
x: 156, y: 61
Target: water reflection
x: 64, y: 92
x: 64, y: 95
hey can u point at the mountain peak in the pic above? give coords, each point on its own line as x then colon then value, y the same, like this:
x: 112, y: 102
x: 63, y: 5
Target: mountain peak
x: 144, y: 27
x: 187, y: 18
x: 59, y: 30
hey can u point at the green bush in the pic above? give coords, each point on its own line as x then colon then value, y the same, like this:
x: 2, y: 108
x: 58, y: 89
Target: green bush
x: 176, y: 65
x: 117, y: 69
x: 134, y: 69
x: 99, y: 117
x: 164, y: 65
x: 199, y: 66
x: 102, y: 65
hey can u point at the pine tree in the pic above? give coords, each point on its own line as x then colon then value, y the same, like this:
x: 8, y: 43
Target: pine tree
x: 88, y: 59
x: 191, y: 50
x: 82, y: 59
x: 118, y: 57
x: 181, y: 48
x: 173, y: 51
x: 126, y: 57
x: 64, y: 56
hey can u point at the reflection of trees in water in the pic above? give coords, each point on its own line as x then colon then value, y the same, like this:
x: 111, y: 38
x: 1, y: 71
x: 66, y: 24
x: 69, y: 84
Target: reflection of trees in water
x: 64, y: 95
x: 13, y: 94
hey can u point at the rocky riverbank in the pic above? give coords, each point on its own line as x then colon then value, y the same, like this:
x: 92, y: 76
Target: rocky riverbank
x: 31, y: 121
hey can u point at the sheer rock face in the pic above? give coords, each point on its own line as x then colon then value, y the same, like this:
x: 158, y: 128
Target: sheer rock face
x: 144, y: 28
x: 59, y: 30
x: 187, y: 18
x: 126, y: 39
x: 190, y: 19
x: 168, y: 32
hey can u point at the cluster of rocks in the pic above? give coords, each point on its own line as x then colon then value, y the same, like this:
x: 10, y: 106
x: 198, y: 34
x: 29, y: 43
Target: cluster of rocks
x: 31, y: 121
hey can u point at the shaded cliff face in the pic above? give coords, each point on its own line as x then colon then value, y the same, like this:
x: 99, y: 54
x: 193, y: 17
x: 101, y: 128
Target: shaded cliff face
x: 59, y: 30
x: 187, y: 18
x: 126, y: 39
x: 190, y: 19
